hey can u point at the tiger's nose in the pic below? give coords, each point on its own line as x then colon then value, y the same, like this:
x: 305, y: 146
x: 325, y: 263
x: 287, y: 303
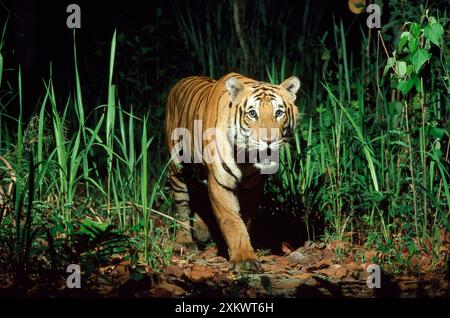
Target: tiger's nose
x: 268, y: 141
x: 268, y: 136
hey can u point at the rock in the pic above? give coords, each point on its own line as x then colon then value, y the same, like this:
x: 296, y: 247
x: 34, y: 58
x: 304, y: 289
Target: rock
x: 311, y: 282
x: 165, y: 290
x: 298, y: 258
x: 288, y: 283
x: 174, y: 270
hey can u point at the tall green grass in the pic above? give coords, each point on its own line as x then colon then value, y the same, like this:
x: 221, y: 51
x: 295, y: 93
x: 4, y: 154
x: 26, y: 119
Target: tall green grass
x: 371, y: 164
x: 367, y: 158
x: 68, y: 166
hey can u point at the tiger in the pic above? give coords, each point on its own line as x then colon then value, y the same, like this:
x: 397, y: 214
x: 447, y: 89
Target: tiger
x: 240, y: 108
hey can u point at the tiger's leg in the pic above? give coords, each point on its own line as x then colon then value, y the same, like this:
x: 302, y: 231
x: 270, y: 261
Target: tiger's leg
x: 226, y: 209
x: 250, y: 196
x: 201, y: 231
x: 180, y: 195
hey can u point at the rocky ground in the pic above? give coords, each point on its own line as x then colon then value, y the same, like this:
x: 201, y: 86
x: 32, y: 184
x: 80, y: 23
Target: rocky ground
x: 310, y: 271
x: 314, y: 270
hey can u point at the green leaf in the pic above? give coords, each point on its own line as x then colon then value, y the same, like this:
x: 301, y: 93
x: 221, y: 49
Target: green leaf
x: 434, y: 33
x: 437, y: 132
x: 409, y: 70
x: 400, y: 68
x: 416, y: 103
x: 403, y: 39
x: 390, y: 63
x: 405, y: 86
x: 413, y: 43
x: 415, y: 29
x: 432, y: 20
x: 418, y: 58
x: 418, y: 83
x: 93, y: 228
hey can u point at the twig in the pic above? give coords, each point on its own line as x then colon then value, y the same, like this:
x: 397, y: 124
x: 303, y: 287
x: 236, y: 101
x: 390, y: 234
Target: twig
x: 131, y: 205
x: 240, y: 32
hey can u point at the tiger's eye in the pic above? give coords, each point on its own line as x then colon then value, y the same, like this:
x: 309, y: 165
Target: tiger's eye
x: 279, y: 113
x: 252, y: 114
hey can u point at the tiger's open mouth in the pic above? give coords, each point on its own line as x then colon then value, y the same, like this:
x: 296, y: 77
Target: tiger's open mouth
x: 267, y: 161
x: 267, y: 167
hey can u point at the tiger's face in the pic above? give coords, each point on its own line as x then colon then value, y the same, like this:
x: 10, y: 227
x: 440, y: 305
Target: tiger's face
x: 265, y: 116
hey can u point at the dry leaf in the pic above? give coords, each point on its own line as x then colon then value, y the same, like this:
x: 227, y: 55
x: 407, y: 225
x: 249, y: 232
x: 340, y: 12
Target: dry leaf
x: 304, y: 276
x: 272, y: 268
x: 335, y: 270
x: 174, y: 270
x: 268, y: 258
x: 200, y: 273
x: 286, y: 248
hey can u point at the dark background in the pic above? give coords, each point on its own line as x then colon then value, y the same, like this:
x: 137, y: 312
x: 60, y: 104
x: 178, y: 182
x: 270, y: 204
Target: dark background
x: 37, y: 36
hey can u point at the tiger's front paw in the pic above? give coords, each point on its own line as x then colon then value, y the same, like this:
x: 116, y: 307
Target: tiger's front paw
x: 246, y: 262
x: 201, y: 231
x: 184, y: 241
x: 250, y: 265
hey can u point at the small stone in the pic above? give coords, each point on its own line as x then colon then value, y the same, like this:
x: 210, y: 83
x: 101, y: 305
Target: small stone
x: 167, y: 290
x: 287, y: 283
x: 311, y: 282
x: 297, y: 258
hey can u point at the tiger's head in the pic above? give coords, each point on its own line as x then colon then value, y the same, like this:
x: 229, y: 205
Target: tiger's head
x: 265, y: 116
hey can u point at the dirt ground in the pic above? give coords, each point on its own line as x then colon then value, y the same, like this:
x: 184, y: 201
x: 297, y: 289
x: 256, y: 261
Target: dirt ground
x: 314, y: 270
x: 310, y: 271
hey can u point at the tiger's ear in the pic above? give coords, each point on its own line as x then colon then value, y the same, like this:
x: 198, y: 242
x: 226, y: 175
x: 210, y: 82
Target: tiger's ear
x: 292, y: 85
x: 234, y: 87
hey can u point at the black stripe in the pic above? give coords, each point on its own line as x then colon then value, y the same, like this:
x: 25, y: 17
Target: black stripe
x: 175, y: 184
x: 224, y: 186
x: 258, y: 95
x: 179, y: 191
x: 228, y: 170
x: 235, y: 116
x: 181, y: 201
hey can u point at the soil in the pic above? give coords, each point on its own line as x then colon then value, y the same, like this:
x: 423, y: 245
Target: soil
x: 314, y: 270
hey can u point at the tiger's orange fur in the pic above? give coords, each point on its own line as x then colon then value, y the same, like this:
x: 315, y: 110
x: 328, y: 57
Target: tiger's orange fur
x: 245, y: 106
